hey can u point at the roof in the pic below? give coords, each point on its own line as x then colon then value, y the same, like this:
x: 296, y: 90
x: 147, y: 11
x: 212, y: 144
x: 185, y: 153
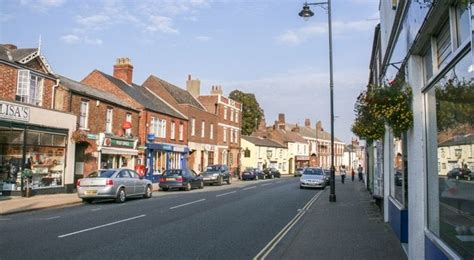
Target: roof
x: 90, y: 91
x: 311, y: 132
x: 459, y: 140
x: 144, y: 97
x: 180, y: 95
x: 260, y: 141
x: 15, y: 55
x: 289, y: 136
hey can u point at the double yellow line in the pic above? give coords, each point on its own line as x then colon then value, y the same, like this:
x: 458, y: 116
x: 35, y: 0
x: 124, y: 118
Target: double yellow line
x: 271, y: 245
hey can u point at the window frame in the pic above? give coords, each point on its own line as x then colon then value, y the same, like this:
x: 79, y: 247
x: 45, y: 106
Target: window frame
x: 109, y: 121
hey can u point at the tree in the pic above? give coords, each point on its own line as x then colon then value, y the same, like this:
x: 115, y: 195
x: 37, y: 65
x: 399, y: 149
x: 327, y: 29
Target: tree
x: 252, y: 113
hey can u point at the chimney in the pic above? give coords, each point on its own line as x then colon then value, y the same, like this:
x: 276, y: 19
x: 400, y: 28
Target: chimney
x: 123, y: 70
x: 216, y: 90
x: 281, y: 121
x: 193, y: 86
x: 307, y: 122
x: 296, y: 129
x: 319, y: 126
x: 9, y: 46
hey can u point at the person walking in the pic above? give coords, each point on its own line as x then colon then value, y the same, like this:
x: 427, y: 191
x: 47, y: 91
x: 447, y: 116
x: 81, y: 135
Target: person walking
x: 359, y: 170
x: 343, y: 175
x: 353, y: 174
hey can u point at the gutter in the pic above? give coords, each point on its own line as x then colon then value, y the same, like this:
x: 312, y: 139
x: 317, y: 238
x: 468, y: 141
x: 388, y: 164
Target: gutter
x: 53, y: 94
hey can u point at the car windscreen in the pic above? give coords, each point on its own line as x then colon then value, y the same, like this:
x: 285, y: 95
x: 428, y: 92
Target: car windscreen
x: 172, y: 172
x: 313, y: 171
x: 213, y: 168
x: 101, y: 174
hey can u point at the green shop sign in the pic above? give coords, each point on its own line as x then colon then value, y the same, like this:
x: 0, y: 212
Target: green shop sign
x: 117, y: 142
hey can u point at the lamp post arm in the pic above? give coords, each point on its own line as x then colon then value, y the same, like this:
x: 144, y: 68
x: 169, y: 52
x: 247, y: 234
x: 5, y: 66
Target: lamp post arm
x: 323, y: 5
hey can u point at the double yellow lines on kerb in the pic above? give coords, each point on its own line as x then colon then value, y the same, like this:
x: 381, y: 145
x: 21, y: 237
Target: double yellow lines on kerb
x: 271, y: 245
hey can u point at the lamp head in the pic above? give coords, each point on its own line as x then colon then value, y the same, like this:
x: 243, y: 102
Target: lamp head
x: 306, y: 13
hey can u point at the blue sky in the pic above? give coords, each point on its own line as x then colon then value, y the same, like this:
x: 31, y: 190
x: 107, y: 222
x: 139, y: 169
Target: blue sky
x: 257, y: 46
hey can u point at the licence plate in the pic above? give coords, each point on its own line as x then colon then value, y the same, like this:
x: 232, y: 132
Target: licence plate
x: 170, y: 179
x: 206, y: 179
x: 90, y: 192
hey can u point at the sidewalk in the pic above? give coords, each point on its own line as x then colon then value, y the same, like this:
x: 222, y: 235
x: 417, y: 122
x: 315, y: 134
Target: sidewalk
x: 351, y: 228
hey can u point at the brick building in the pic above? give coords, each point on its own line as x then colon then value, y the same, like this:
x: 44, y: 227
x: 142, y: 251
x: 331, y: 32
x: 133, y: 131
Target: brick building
x: 202, y: 137
x: 229, y: 113
x: 162, y: 133
x: 107, y: 127
x: 35, y: 133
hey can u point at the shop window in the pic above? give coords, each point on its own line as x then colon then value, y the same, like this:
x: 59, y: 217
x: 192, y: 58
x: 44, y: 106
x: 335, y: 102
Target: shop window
x: 398, y: 181
x: 450, y: 143
x: 84, y: 114
x: 193, y: 126
x: 11, y: 154
x: 29, y: 88
x: 210, y: 158
x: 443, y: 44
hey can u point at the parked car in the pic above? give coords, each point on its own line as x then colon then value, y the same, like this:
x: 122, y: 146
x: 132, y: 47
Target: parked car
x: 271, y: 173
x: 217, y: 174
x: 299, y: 172
x: 327, y: 176
x: 118, y: 184
x: 249, y: 174
x: 184, y: 179
x: 460, y: 173
x: 260, y: 174
x: 313, y: 177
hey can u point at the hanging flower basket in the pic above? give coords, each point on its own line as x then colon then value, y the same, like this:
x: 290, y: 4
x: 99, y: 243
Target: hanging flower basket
x: 79, y: 136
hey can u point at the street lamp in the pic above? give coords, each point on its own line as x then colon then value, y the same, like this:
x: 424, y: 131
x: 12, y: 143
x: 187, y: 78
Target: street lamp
x: 306, y: 13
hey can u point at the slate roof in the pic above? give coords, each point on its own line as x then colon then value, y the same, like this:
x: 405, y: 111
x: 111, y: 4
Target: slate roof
x: 90, y: 91
x: 180, y: 95
x: 459, y: 140
x: 259, y: 141
x: 311, y: 132
x: 15, y: 55
x: 144, y: 97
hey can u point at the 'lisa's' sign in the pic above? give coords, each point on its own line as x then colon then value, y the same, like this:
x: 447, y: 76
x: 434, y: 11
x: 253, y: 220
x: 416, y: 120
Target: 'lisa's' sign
x: 14, y: 111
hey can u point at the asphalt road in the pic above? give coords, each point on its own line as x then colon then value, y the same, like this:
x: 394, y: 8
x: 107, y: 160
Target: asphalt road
x: 228, y: 222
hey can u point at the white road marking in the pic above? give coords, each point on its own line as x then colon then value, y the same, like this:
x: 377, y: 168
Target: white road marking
x: 55, y: 217
x: 226, y: 193
x: 101, y: 226
x: 271, y: 245
x: 251, y: 187
x: 96, y: 209
x: 189, y: 203
x: 4, y: 219
x: 266, y: 184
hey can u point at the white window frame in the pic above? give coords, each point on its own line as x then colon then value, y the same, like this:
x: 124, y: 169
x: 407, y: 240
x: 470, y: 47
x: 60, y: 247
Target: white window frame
x: 231, y: 114
x: 163, y: 128
x: 28, y: 92
x: 128, y: 118
x: 203, y: 128
x: 180, y: 131
x: 84, y: 114
x: 225, y: 113
x: 109, y: 116
x: 231, y: 135
x: 193, y: 126
x: 224, y: 135
x: 172, y: 130
x: 211, y: 131
x: 236, y: 116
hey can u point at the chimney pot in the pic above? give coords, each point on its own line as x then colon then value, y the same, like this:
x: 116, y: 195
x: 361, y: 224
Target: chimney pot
x: 10, y: 46
x: 123, y: 70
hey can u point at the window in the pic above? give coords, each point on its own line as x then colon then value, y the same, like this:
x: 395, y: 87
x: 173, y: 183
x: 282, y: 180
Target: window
x: 128, y: 118
x: 211, y: 131
x: 443, y: 44
x: 236, y: 116
x: 232, y: 114
x: 450, y: 143
x: 108, y: 120
x: 224, y: 136
x: 225, y: 113
x: 247, y: 153
x: 180, y: 131
x: 428, y: 64
x: 84, y: 114
x: 172, y: 130
x: 163, y: 128
x: 29, y: 88
x: 398, y: 180
x: 463, y: 24
x: 193, y: 126
x: 236, y: 136
x: 231, y: 135
x: 203, y: 128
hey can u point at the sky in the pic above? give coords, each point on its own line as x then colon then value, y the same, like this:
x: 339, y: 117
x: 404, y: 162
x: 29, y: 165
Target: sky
x: 256, y: 46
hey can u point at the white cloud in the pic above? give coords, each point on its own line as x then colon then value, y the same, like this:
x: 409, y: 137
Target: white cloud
x: 203, y: 38
x: 41, y: 5
x: 297, y: 36
x: 93, y: 21
x: 74, y: 39
x: 161, y: 24
x: 70, y: 39
x: 92, y: 41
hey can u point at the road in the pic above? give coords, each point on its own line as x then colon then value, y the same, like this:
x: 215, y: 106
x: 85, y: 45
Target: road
x: 228, y: 222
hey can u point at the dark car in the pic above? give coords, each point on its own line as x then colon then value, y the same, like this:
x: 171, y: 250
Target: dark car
x: 398, y: 178
x: 327, y: 176
x: 460, y: 173
x: 184, y: 179
x: 249, y: 174
x: 271, y: 173
x: 217, y: 174
x: 260, y: 174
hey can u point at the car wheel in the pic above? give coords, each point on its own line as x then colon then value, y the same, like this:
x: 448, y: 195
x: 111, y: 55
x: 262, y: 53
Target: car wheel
x: 219, y: 181
x: 188, y: 187
x: 229, y: 180
x: 121, y: 196
x: 88, y: 201
x: 201, y: 185
x: 148, y: 192
x: 301, y: 187
x: 272, y: 176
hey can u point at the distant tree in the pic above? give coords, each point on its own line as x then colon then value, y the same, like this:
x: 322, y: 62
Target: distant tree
x: 252, y: 113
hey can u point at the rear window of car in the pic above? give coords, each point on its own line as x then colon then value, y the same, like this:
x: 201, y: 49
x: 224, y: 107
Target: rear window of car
x: 172, y: 172
x: 313, y: 171
x: 101, y: 174
x: 213, y: 168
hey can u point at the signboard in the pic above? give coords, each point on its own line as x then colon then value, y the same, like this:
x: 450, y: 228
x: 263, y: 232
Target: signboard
x: 14, y: 112
x: 112, y: 142
x: 92, y: 136
x: 302, y: 158
x: 150, y: 137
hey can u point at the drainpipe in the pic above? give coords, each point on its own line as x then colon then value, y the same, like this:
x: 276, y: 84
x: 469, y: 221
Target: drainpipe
x: 53, y: 95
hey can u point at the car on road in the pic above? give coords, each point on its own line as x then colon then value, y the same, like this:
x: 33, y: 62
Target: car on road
x: 118, y: 184
x: 217, y: 174
x: 249, y: 174
x: 460, y: 174
x: 313, y: 177
x: 299, y: 172
x: 183, y: 179
x: 260, y: 174
x: 271, y: 173
x: 327, y: 176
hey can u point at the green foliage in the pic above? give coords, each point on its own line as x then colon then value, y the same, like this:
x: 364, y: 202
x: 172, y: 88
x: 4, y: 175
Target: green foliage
x: 252, y: 113
x: 454, y: 104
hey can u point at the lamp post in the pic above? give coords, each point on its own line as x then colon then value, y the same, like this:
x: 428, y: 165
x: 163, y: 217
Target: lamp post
x: 306, y: 13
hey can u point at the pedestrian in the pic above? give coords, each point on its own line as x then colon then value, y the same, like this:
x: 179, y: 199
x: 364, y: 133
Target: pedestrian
x: 353, y: 174
x: 359, y: 170
x: 343, y: 175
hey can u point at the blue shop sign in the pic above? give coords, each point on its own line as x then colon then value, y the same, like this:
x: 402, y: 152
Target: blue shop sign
x: 167, y: 147
x: 150, y: 137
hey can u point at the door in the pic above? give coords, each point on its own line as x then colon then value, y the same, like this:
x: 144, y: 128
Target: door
x: 139, y: 184
x: 126, y: 180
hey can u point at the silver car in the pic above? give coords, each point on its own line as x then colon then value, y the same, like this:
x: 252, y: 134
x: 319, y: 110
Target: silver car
x: 115, y: 184
x: 313, y: 177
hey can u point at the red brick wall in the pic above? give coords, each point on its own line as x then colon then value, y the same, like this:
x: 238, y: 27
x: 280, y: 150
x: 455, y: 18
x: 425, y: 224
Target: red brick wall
x: 145, y: 122
x: 8, y: 78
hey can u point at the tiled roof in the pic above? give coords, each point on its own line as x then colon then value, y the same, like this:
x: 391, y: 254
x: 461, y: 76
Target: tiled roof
x: 90, y: 91
x: 259, y: 141
x: 180, y: 95
x: 288, y: 136
x: 459, y: 140
x: 311, y: 132
x: 144, y: 97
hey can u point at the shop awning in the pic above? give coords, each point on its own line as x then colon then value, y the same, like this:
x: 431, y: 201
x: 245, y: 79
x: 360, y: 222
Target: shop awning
x: 110, y: 150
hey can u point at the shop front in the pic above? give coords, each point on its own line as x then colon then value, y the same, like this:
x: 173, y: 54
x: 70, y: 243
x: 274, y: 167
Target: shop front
x: 301, y: 161
x: 117, y: 152
x: 161, y: 157
x: 200, y: 156
x: 34, y: 143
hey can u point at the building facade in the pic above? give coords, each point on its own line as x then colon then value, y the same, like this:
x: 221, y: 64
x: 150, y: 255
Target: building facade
x: 259, y: 152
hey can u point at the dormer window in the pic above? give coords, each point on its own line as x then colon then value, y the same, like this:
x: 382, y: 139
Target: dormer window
x: 29, y: 88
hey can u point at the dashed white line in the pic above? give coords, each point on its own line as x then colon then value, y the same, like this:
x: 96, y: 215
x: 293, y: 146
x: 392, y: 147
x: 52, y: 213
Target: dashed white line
x: 101, y: 226
x: 186, y: 204
x: 55, y: 217
x: 223, y: 194
x: 266, y: 184
x: 5, y: 219
x: 248, y: 188
x: 96, y: 209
